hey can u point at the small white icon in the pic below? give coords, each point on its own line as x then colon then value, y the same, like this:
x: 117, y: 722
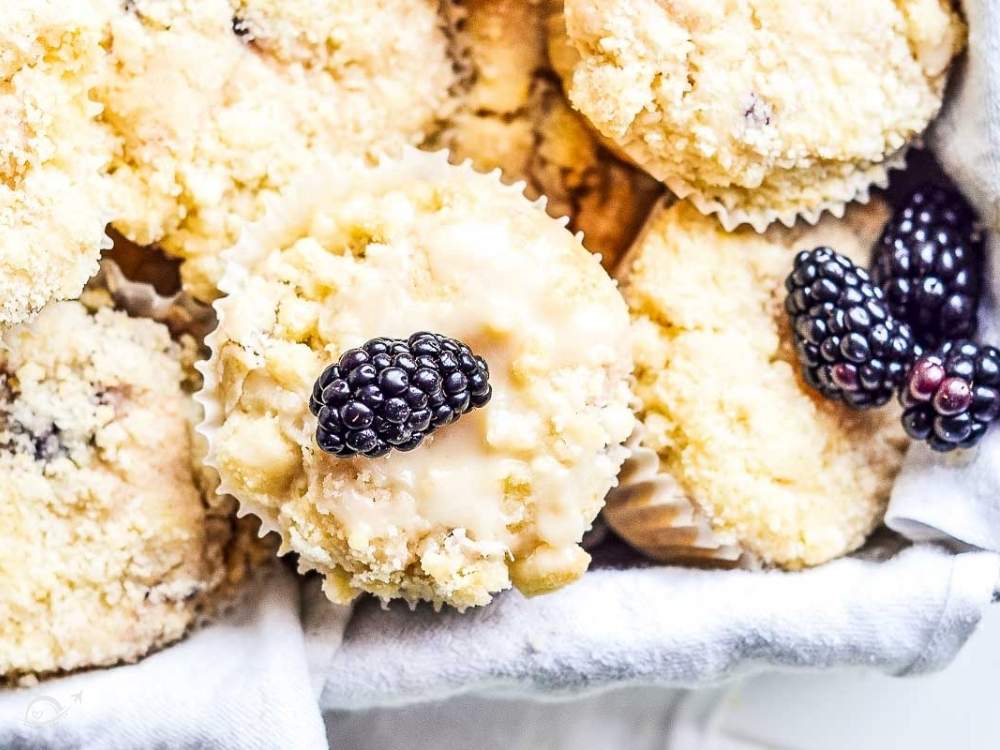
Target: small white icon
x: 45, y: 710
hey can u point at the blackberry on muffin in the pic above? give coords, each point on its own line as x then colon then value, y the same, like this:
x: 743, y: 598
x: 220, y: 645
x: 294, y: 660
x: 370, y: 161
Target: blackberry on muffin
x: 392, y: 393
x: 849, y: 345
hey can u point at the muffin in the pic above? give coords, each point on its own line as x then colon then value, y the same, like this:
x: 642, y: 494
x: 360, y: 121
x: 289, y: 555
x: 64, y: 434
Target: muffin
x: 502, y: 496
x: 52, y: 153
x: 100, y: 565
x: 759, y: 110
x: 216, y: 103
x: 778, y: 472
x: 511, y: 114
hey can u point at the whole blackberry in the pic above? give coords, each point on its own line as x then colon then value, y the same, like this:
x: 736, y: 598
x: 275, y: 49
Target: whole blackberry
x: 928, y: 263
x: 952, y: 395
x: 392, y: 393
x: 850, y: 346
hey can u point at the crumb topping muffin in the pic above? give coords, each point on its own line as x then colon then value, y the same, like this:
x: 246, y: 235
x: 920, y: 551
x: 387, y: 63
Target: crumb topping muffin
x: 512, y: 115
x: 52, y: 153
x: 216, y: 103
x: 787, y: 475
x: 760, y: 109
x: 101, y: 565
x: 503, y: 495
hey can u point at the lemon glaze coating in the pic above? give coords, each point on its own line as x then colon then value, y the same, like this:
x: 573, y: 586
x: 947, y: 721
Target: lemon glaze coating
x: 217, y: 103
x: 53, y: 200
x: 792, y: 478
x: 760, y: 109
x: 502, y: 496
x: 99, y: 564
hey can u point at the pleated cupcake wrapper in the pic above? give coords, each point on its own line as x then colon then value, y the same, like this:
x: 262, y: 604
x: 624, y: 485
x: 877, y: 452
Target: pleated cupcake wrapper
x: 180, y: 313
x: 857, y: 189
x: 253, y: 246
x: 651, y: 512
x: 183, y: 315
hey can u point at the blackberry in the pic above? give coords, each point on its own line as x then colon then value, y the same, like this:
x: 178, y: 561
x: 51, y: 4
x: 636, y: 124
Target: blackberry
x: 849, y: 345
x: 952, y: 395
x: 928, y: 263
x: 392, y: 393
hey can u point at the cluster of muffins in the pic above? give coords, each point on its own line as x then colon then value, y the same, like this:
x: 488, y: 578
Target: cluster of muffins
x: 435, y: 306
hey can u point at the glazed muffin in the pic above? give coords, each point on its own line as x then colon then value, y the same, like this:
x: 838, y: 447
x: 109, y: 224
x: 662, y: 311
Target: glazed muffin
x: 503, y: 495
x: 511, y: 114
x: 778, y: 471
x: 99, y: 564
x: 216, y: 103
x: 52, y: 153
x: 759, y: 110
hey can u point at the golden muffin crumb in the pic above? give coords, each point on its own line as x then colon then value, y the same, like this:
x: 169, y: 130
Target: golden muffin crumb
x: 760, y: 109
x: 52, y: 152
x: 101, y: 565
x: 217, y: 103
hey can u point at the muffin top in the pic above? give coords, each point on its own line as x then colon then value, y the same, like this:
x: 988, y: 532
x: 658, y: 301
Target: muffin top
x: 100, y: 564
x: 52, y: 152
x: 759, y: 109
x: 789, y: 476
x: 216, y: 103
x: 507, y: 491
x: 511, y: 114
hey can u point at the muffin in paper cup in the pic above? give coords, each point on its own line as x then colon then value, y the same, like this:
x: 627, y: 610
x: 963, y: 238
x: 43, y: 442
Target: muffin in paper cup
x: 101, y: 565
x: 737, y: 460
x: 501, y: 497
x: 801, y: 118
x: 654, y: 515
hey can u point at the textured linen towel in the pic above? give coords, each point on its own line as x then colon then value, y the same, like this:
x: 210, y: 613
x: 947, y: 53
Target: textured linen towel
x: 670, y: 626
x: 241, y: 683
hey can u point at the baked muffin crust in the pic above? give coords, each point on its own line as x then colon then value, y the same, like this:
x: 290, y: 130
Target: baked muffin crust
x: 792, y: 478
x: 502, y: 496
x: 760, y: 109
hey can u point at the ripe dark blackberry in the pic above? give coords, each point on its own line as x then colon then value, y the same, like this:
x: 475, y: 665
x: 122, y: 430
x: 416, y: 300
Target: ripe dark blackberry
x: 850, y: 346
x: 928, y: 263
x: 392, y: 393
x: 952, y: 395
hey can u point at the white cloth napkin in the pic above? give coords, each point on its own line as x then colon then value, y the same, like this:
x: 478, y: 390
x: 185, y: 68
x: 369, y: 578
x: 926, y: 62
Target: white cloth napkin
x: 241, y: 683
x: 670, y: 626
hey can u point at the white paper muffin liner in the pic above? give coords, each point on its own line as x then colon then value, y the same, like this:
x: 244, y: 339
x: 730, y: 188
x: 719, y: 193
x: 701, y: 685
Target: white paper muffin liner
x: 252, y: 247
x: 652, y: 513
x: 857, y: 187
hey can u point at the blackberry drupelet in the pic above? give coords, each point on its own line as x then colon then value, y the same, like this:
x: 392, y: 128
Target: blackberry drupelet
x: 850, y: 346
x: 952, y: 395
x: 392, y: 393
x: 928, y: 263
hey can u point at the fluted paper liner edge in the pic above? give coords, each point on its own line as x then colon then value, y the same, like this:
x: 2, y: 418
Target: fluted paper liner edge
x: 651, y: 512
